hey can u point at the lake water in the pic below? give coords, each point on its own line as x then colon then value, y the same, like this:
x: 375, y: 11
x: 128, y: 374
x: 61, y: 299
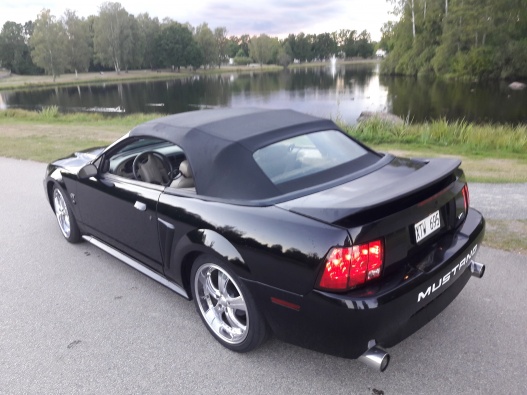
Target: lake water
x: 341, y: 91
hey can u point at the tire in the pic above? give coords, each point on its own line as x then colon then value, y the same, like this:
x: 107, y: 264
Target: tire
x: 226, y: 306
x: 65, y: 218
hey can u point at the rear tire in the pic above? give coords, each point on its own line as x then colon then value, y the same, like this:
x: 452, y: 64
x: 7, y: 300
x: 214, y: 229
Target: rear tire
x: 226, y: 306
x: 65, y: 218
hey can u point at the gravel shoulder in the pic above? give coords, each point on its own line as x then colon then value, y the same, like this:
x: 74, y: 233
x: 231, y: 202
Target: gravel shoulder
x: 500, y: 201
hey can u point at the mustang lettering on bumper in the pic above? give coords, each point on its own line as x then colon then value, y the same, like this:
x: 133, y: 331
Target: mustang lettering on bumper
x: 446, y: 278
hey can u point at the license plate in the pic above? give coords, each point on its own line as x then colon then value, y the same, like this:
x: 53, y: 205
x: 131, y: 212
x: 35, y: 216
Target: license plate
x: 427, y: 226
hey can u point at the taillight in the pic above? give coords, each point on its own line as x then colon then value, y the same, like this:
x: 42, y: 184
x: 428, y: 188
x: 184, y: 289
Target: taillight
x: 466, y: 197
x: 349, y: 267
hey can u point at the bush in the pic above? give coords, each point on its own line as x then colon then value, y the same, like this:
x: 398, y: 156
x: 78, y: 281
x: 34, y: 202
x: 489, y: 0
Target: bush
x: 242, y: 60
x: 49, y: 112
x: 478, y: 62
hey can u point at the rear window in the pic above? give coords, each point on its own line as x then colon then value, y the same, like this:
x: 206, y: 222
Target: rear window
x: 306, y: 155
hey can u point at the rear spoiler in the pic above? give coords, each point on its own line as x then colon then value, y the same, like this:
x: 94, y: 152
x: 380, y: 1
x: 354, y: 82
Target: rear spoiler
x: 370, y: 191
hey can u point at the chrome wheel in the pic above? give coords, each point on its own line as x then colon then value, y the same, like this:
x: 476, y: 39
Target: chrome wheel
x: 221, y: 303
x: 62, y: 213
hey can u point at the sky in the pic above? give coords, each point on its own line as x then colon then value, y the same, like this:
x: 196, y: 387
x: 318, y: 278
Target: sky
x: 276, y: 18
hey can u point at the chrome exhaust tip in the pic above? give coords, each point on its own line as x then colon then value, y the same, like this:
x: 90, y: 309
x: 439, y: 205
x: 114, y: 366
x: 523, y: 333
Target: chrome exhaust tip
x: 376, y: 358
x: 477, y: 269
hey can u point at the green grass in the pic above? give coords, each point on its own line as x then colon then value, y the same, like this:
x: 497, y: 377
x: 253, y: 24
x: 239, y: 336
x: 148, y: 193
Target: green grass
x: 458, y: 137
x: 51, y: 115
x: 44, y: 148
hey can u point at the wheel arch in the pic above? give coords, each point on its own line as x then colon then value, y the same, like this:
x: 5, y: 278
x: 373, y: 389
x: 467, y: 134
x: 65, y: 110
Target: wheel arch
x: 200, y: 242
x: 53, y: 179
x: 50, y: 185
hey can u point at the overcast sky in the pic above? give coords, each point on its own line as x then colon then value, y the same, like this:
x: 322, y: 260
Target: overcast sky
x: 273, y: 17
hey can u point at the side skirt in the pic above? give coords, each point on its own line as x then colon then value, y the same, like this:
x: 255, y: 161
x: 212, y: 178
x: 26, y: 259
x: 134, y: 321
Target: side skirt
x: 137, y: 266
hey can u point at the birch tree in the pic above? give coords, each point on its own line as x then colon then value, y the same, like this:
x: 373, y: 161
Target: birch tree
x: 261, y: 48
x: 48, y: 44
x: 112, y: 35
x: 207, y: 43
x: 220, y: 35
x: 78, y: 49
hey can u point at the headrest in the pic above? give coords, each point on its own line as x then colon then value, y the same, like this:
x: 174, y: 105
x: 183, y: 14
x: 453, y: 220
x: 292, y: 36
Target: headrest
x: 184, y: 168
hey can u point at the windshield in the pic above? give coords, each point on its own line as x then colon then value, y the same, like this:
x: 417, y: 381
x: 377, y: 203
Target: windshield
x: 308, y: 154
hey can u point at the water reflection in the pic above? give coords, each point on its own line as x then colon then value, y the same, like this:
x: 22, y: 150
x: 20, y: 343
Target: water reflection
x: 336, y: 90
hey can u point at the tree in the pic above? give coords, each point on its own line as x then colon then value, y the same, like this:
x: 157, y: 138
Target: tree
x: 301, y: 46
x: 261, y: 48
x: 12, y: 46
x: 232, y: 47
x: 208, y: 44
x: 174, y: 46
x: 150, y: 30
x: 78, y: 50
x: 244, y: 43
x: 133, y: 58
x: 324, y: 46
x: 220, y: 35
x: 364, y: 45
x: 194, y: 55
x: 48, y: 44
x: 285, y: 55
x: 387, y: 38
x: 112, y: 35
x: 468, y: 38
x: 345, y: 40
x: 403, y: 8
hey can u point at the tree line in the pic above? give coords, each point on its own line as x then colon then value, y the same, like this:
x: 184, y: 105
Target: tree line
x: 115, y: 39
x: 460, y: 38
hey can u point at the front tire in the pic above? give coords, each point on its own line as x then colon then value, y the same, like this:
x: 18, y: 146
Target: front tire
x: 226, y: 306
x: 67, y: 223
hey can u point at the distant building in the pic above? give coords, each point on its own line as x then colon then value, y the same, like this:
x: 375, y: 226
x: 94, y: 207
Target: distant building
x: 381, y: 53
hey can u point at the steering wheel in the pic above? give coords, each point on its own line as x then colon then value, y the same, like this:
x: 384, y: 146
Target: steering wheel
x: 153, y: 167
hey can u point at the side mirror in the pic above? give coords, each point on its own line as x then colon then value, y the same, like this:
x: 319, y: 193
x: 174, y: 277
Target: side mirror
x: 90, y: 170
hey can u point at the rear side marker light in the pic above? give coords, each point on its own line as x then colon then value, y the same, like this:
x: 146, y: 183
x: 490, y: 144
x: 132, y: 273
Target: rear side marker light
x: 466, y: 197
x: 349, y: 267
x: 285, y: 303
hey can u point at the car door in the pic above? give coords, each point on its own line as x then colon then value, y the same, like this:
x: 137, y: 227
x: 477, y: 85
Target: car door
x: 122, y: 213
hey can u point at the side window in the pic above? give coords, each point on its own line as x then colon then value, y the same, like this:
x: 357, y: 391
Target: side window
x: 145, y: 159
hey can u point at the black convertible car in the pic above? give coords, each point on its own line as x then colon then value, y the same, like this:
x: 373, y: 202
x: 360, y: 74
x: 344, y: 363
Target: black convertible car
x: 277, y: 222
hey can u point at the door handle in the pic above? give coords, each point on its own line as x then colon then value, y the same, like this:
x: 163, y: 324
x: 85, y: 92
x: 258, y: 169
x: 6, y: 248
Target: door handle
x: 140, y: 206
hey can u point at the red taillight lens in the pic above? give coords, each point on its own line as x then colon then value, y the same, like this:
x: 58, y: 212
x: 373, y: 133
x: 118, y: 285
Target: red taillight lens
x: 347, y: 268
x: 336, y: 270
x: 466, y: 197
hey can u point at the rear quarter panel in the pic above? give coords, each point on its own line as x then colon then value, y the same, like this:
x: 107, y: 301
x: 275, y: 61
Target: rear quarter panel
x: 278, y: 248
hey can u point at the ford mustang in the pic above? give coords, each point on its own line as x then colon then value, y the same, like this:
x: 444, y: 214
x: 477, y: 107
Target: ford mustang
x: 277, y: 222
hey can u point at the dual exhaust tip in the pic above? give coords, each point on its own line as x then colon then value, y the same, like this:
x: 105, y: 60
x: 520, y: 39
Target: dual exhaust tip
x: 378, y: 359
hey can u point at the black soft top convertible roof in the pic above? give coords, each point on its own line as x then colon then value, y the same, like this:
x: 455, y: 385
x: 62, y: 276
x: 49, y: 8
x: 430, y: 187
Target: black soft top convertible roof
x: 219, y: 145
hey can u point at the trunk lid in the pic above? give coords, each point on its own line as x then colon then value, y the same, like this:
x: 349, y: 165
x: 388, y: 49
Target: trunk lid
x: 388, y: 203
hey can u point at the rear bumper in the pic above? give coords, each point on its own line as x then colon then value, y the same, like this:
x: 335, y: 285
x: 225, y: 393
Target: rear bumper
x: 387, y: 312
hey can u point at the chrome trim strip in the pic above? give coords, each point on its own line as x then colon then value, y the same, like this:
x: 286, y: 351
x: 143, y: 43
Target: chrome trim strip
x: 137, y: 266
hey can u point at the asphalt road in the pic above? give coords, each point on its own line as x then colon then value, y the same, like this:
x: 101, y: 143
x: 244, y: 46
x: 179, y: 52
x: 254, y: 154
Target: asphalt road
x: 74, y: 320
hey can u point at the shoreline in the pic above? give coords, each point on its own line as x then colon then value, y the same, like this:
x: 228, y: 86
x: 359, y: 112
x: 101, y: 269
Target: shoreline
x: 11, y: 82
